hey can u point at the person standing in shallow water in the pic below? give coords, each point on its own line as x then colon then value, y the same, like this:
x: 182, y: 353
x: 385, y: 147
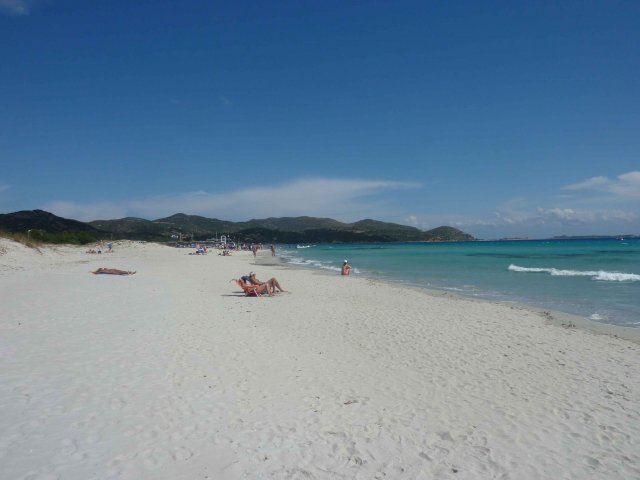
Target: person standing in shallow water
x: 346, y: 268
x: 273, y: 250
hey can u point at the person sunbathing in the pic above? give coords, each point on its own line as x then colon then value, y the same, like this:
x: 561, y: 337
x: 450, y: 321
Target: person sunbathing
x: 265, y: 289
x: 272, y: 283
x: 112, y: 271
x: 253, y: 290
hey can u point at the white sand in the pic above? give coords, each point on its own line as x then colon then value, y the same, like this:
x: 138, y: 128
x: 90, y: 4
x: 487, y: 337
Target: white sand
x: 172, y: 374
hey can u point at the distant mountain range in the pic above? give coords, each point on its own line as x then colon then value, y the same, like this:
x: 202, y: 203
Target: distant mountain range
x: 194, y: 227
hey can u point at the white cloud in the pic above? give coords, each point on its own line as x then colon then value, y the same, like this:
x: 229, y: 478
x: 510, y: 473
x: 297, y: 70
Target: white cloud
x: 355, y: 199
x: 593, y: 182
x: 535, y: 221
x: 16, y: 7
x: 87, y: 212
x: 626, y: 185
x: 566, y: 217
x: 412, y: 220
x: 343, y: 199
x: 573, y: 221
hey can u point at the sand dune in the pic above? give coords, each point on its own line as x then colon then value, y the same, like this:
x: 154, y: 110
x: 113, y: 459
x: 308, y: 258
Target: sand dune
x: 172, y: 373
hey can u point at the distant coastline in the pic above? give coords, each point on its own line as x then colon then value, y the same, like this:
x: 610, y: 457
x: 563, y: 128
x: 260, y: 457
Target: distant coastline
x: 595, y: 237
x: 564, y: 237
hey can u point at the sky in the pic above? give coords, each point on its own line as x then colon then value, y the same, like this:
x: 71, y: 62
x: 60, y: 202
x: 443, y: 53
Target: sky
x: 503, y: 119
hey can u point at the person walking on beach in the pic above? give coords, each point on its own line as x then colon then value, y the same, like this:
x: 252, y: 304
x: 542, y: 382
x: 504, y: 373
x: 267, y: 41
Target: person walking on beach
x: 273, y: 250
x: 346, y: 268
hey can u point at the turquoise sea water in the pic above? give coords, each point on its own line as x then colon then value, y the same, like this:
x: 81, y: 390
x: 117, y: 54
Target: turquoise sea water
x: 596, y: 279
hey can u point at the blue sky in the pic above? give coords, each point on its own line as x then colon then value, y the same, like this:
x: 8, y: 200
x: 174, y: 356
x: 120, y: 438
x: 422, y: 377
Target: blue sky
x: 500, y: 118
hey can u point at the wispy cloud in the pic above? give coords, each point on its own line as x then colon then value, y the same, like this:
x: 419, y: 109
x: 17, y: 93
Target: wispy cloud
x: 626, y: 185
x: 355, y: 199
x: 561, y: 216
x: 16, y: 7
x: 343, y: 199
x: 535, y: 221
x: 570, y: 216
x: 88, y: 211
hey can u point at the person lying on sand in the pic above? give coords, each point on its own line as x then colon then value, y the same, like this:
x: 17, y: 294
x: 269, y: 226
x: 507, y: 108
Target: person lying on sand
x: 272, y: 282
x: 112, y: 271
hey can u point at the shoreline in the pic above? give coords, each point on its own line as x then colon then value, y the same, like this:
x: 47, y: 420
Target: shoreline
x: 174, y: 373
x: 554, y: 317
x: 588, y: 281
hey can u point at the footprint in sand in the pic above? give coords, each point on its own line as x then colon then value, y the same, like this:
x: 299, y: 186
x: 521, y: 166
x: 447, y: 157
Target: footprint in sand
x: 434, y: 452
x: 153, y: 459
x: 117, y: 461
x: 69, y: 447
x: 355, y: 461
x: 148, y: 434
x: 42, y: 476
x: 593, y: 462
x: 83, y: 423
x: 354, y: 399
x: 182, y: 454
x: 446, y: 436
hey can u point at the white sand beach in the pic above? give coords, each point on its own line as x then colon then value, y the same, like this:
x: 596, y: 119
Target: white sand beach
x: 172, y: 373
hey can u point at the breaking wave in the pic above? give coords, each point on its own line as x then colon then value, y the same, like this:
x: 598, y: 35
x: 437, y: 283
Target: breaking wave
x: 595, y: 275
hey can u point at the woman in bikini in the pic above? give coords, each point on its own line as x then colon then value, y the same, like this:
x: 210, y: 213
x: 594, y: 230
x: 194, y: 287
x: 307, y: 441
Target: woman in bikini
x: 272, y: 283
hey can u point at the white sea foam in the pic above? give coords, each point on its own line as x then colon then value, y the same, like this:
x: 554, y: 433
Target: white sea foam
x: 294, y: 260
x: 594, y: 274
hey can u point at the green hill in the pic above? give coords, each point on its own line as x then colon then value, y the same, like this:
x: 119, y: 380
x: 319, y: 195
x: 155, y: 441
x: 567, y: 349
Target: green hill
x: 40, y: 220
x: 295, y: 224
x: 448, y: 234
x: 41, y: 226
x: 132, y: 228
x: 281, y: 230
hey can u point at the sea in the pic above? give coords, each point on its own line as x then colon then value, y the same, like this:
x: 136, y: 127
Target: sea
x: 597, y: 279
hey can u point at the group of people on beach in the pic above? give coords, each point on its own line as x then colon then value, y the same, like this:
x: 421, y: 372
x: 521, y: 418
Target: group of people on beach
x: 272, y: 285
x: 99, y: 250
x: 268, y: 287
